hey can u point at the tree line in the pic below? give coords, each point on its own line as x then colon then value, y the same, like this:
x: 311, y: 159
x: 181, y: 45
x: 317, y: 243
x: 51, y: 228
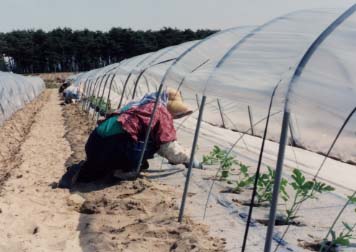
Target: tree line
x: 67, y: 50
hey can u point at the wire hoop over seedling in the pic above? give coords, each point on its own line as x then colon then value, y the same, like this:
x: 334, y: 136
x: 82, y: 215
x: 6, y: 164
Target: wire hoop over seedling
x: 283, y: 88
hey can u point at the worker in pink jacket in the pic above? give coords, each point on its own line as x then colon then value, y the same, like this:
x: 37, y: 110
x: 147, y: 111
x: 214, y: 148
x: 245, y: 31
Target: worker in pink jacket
x: 114, y: 147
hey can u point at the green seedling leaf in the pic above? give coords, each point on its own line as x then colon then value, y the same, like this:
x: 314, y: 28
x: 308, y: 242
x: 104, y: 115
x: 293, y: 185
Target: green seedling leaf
x: 333, y: 235
x: 243, y: 168
x: 308, y: 186
x: 347, y: 226
x: 303, y: 190
x: 352, y: 199
x: 265, y: 186
x: 294, y: 185
x: 243, y: 179
x: 343, y: 240
x: 224, y: 174
x: 328, y: 189
x: 298, y: 177
x: 285, y: 199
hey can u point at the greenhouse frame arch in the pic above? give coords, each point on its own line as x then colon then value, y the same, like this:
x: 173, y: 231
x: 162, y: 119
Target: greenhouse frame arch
x: 290, y: 81
x: 16, y: 91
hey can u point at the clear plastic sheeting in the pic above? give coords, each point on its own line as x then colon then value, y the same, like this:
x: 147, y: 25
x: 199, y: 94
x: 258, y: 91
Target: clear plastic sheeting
x: 204, y: 57
x: 16, y: 91
x: 242, y: 70
x: 325, y: 94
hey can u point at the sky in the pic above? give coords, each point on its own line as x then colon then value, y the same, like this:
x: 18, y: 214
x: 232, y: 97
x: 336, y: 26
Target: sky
x: 148, y: 14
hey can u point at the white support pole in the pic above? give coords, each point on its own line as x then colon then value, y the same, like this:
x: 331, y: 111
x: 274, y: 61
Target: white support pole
x: 195, y: 141
x: 277, y: 181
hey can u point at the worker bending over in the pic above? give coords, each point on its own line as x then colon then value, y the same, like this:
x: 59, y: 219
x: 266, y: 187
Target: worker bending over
x: 115, y: 146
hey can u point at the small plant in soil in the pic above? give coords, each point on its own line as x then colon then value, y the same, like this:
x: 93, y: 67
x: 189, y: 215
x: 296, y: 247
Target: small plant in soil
x: 104, y: 107
x: 223, y: 158
x: 226, y: 164
x: 92, y: 100
x: 100, y: 105
x: 342, y: 238
x: 303, y: 191
x: 243, y: 180
x: 214, y: 156
x: 265, y: 187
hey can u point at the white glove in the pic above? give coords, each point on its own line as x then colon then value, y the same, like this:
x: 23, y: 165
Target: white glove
x: 174, y: 152
x: 196, y: 164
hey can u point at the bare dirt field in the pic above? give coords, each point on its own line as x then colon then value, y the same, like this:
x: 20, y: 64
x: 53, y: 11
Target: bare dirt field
x: 54, y: 80
x: 35, y: 215
x: 54, y: 76
x: 13, y: 133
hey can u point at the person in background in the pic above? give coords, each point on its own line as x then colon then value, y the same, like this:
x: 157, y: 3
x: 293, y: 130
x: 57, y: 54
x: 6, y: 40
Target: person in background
x: 71, y: 94
x: 63, y: 86
x: 114, y: 147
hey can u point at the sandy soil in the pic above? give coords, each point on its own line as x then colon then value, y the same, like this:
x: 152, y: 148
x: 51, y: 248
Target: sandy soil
x: 140, y: 215
x: 55, y: 76
x: 54, y: 80
x: 106, y: 216
x: 226, y: 216
x: 130, y: 216
x: 13, y: 133
x: 35, y: 217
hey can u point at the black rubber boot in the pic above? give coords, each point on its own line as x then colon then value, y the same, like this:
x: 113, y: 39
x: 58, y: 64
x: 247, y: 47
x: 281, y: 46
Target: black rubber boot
x: 70, y: 177
x: 145, y: 165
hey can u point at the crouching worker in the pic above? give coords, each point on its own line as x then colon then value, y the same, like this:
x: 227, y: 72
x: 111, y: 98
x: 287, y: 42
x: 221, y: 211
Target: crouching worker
x: 63, y: 86
x: 114, y: 147
x: 71, y: 94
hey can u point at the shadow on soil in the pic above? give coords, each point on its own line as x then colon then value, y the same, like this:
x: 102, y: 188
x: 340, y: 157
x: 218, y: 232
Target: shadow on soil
x: 135, y: 215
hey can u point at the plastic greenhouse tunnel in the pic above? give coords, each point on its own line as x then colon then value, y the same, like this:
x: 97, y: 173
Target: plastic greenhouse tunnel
x: 280, y: 99
x: 16, y: 91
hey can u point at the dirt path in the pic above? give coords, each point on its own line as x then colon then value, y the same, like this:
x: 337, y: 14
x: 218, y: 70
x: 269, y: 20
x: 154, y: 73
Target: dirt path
x: 13, y: 133
x: 33, y: 216
x: 132, y: 216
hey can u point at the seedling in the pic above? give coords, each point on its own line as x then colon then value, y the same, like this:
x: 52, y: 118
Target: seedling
x: 304, y: 190
x: 244, y: 179
x: 226, y: 164
x: 344, y: 237
x: 265, y: 187
x: 92, y: 100
x: 99, y: 104
x: 214, y: 156
x: 221, y: 157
